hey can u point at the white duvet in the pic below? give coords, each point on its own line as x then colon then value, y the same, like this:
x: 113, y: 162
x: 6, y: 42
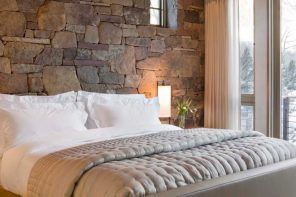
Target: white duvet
x: 18, y: 162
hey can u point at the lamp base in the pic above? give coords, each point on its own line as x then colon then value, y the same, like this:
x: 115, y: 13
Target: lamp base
x: 165, y: 120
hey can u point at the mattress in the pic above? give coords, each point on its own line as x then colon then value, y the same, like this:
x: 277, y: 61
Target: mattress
x: 18, y: 162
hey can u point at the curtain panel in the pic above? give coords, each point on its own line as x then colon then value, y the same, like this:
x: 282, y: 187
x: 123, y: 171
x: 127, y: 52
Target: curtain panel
x: 222, y: 81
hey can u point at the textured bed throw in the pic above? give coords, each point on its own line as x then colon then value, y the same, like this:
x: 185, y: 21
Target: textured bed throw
x: 153, y: 163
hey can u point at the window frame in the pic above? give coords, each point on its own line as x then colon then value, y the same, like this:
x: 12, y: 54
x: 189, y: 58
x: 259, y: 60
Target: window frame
x: 162, y: 13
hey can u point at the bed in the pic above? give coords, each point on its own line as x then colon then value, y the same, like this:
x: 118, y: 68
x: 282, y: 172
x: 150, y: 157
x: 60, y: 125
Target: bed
x: 51, y: 157
x: 264, y: 180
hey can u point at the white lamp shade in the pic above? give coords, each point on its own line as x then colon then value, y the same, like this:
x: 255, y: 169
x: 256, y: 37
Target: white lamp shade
x: 164, y: 96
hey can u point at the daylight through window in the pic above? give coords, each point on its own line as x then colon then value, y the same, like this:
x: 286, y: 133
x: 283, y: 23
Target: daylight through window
x: 246, y: 34
x: 158, y: 12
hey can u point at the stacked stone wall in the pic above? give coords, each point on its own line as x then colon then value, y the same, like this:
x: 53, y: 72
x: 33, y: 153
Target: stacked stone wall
x: 49, y: 47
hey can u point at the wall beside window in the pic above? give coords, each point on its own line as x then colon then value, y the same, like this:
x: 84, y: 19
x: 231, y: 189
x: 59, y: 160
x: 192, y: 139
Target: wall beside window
x: 101, y: 46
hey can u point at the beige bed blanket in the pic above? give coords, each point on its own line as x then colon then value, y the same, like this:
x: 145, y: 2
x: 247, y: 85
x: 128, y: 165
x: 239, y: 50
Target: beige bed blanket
x: 148, y: 164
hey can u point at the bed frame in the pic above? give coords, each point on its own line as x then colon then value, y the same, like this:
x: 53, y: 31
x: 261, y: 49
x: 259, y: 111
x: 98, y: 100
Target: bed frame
x: 5, y: 193
x: 269, y: 181
x: 277, y: 180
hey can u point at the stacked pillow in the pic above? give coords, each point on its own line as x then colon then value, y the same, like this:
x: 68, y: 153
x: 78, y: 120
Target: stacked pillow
x: 120, y: 110
x: 27, y: 118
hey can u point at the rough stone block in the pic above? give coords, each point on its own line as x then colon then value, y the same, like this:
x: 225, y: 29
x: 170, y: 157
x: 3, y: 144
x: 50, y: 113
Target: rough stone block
x: 68, y: 62
x: 20, y: 52
x: 32, y: 17
x: 102, y: 88
x: 76, y: 28
x: 123, y: 2
x: 26, y: 68
x: 191, y: 16
x: 5, y: 65
x: 100, y: 55
x: 111, y: 78
x: 88, y: 74
x: 64, y: 40
x: 109, y: 34
x: 146, y: 31
x: 144, y: 42
x: 117, y: 10
x: 165, y: 32
x: 151, y: 64
x: 15, y: 26
x: 130, y: 33
x: 173, y: 41
x: 141, y: 53
x: 51, y: 16
x: 188, y: 43
x: 32, y: 25
x: 1, y: 48
x: 132, y: 81
x: 79, y: 14
x: 91, y: 34
x: 83, y: 54
x: 127, y: 91
x: 42, y: 34
x: 125, y: 63
x: 141, y: 3
x: 59, y: 79
x: 111, y: 19
x: 13, y: 84
x: 90, y: 63
x: 35, y: 84
x: 70, y: 54
x: 84, y: 45
x: 29, y: 6
x: 105, y: 10
x: 50, y: 56
x: 157, y: 46
x: 8, y: 5
x: 29, y: 40
x: 29, y: 33
x: 136, y: 16
x: 125, y: 26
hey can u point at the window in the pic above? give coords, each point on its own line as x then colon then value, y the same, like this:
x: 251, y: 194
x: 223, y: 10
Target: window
x: 247, y: 117
x: 158, y: 12
x: 247, y: 71
x: 288, y: 69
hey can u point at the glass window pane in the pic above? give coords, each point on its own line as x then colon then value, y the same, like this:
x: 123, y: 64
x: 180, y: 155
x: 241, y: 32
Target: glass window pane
x: 288, y: 69
x: 155, y: 3
x: 246, y: 33
x: 247, y: 118
x: 154, y: 17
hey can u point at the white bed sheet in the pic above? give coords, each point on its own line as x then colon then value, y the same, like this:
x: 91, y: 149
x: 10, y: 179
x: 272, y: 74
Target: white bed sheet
x: 18, y: 162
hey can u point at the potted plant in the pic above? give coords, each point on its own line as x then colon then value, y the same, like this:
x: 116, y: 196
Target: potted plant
x: 184, y: 107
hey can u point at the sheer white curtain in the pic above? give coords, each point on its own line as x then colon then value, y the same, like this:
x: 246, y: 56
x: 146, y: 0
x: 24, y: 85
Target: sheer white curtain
x: 222, y: 83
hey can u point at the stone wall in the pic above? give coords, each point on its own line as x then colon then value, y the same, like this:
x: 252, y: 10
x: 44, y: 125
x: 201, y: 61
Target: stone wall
x: 49, y: 47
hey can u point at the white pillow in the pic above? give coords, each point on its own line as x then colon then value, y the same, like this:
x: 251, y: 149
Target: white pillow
x: 93, y: 98
x: 36, y: 121
x: 83, y: 96
x: 124, y: 112
x: 14, y: 100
